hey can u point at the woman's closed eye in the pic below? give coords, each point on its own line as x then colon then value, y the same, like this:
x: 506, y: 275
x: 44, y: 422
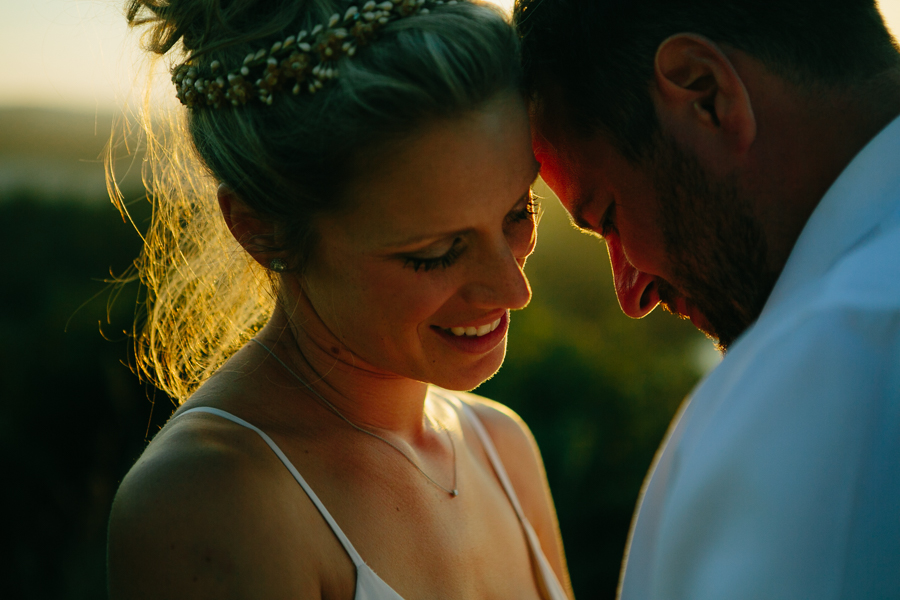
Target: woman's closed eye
x: 527, y: 210
x: 427, y: 263
x: 521, y: 226
x: 522, y: 217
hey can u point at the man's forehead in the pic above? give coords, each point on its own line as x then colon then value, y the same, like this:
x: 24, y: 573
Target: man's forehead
x: 576, y: 210
x: 553, y: 139
x: 556, y: 132
x: 549, y: 113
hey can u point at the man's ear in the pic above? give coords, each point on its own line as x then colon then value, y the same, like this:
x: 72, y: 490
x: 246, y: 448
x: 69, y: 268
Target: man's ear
x: 255, y: 235
x: 701, y: 98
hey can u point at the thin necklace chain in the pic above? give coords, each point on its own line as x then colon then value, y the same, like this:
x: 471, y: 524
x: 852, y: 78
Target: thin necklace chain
x: 453, y: 492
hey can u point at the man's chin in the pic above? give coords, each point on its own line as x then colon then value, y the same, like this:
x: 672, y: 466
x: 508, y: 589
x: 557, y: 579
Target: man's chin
x: 683, y: 308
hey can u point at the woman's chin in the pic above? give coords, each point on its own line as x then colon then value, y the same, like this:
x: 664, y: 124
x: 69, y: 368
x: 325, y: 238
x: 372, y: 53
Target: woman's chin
x: 468, y: 377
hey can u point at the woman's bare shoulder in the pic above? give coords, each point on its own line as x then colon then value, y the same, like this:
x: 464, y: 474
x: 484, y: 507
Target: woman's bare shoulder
x: 509, y: 433
x: 203, y: 512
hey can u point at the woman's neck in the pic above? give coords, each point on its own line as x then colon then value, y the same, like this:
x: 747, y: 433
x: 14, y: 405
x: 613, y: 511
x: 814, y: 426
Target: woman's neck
x: 368, y: 397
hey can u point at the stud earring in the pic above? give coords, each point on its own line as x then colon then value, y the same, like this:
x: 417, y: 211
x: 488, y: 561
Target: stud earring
x: 277, y: 265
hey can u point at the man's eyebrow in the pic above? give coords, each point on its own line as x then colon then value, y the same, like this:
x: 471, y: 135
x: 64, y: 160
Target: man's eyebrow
x: 578, y: 213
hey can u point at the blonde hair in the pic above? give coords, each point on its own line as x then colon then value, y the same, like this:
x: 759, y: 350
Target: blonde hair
x: 289, y: 162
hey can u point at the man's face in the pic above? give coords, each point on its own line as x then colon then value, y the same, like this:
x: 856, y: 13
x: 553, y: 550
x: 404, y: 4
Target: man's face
x: 675, y: 234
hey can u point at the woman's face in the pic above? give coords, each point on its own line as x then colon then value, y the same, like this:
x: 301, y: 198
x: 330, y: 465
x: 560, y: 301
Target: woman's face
x: 417, y: 278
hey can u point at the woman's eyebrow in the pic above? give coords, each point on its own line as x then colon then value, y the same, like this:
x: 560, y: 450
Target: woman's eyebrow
x: 438, y: 235
x: 424, y: 237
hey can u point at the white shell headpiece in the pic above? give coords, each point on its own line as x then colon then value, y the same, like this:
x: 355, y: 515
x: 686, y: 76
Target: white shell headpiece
x: 301, y: 63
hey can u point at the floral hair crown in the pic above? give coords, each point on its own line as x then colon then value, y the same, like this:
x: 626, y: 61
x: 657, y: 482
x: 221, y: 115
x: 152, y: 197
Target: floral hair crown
x: 302, y: 62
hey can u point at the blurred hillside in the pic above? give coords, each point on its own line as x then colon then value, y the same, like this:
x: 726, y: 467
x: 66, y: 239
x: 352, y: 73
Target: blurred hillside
x: 597, y: 388
x: 57, y: 154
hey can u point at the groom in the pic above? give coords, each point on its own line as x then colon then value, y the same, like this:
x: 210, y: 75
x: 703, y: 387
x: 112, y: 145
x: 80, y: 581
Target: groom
x: 742, y: 160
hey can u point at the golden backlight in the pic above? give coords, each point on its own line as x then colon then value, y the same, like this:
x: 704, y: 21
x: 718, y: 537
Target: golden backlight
x: 78, y: 54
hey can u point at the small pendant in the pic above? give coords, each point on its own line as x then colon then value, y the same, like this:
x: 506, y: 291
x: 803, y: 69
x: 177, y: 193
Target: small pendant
x: 454, y: 493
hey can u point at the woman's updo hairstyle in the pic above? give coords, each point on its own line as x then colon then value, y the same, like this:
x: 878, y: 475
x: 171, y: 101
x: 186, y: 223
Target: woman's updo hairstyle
x: 289, y: 161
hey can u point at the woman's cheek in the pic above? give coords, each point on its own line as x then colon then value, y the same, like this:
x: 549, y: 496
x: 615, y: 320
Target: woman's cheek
x: 408, y: 295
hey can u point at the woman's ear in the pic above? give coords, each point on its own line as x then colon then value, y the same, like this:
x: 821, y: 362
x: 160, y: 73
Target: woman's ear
x: 255, y: 235
x: 701, y: 98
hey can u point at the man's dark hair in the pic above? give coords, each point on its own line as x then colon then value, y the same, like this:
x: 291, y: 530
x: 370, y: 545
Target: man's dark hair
x: 600, y: 53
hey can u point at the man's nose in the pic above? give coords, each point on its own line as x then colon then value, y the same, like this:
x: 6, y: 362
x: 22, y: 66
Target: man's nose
x: 637, y: 291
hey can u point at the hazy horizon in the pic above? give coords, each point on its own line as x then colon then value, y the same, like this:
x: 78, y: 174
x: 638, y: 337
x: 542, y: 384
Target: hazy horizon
x: 74, y: 55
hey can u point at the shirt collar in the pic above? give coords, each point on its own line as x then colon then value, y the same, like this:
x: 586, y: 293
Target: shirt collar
x: 865, y: 193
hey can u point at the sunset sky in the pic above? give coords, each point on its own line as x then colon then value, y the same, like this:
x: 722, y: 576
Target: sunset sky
x: 78, y: 54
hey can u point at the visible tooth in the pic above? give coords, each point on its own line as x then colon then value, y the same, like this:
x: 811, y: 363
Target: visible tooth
x: 483, y: 329
x: 470, y: 331
x: 458, y: 330
x: 496, y: 324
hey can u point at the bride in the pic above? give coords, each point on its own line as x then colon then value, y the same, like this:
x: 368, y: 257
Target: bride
x: 372, y: 164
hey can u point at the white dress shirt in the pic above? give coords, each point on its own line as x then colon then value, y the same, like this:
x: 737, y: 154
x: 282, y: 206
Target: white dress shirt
x: 780, y: 478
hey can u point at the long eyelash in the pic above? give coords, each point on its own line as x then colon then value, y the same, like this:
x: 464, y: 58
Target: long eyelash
x: 427, y: 264
x: 531, y: 209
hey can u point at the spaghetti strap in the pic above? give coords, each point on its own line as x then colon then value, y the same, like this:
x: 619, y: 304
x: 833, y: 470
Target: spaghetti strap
x: 351, y: 551
x: 546, y: 576
x: 493, y: 456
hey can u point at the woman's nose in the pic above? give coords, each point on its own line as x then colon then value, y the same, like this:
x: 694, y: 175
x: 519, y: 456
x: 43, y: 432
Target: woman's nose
x: 637, y: 291
x: 500, y: 283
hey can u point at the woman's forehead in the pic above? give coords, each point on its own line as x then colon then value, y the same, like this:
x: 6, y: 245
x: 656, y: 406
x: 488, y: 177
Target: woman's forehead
x: 451, y: 173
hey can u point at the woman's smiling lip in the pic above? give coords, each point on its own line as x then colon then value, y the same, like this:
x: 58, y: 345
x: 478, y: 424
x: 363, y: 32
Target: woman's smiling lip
x: 479, y: 325
x: 469, y: 339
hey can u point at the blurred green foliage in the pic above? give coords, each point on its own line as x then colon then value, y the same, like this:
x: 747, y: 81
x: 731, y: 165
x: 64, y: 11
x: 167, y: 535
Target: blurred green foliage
x: 597, y: 389
x: 73, y: 417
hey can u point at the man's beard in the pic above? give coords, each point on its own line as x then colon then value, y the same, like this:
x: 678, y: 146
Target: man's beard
x: 716, y: 246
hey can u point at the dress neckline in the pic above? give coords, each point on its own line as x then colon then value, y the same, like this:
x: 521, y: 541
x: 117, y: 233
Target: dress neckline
x: 369, y: 586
